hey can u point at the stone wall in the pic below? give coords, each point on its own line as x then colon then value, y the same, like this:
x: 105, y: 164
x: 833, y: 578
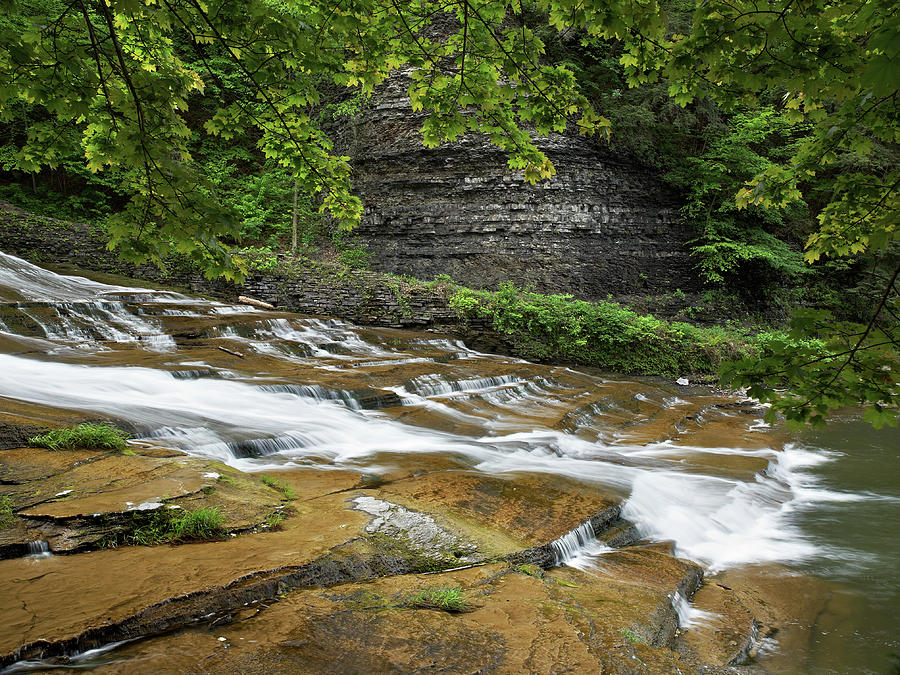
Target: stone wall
x: 362, y: 297
x: 602, y: 225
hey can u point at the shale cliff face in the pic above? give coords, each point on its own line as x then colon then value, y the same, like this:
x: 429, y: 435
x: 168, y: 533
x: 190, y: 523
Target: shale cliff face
x: 602, y: 225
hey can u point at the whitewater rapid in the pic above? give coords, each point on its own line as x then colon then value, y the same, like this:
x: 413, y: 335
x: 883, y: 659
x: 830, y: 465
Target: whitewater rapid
x: 485, y: 421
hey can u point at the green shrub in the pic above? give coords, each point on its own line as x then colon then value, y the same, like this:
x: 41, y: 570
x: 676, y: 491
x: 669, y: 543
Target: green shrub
x: 602, y: 334
x: 259, y: 258
x: 82, y: 436
x: 355, y: 258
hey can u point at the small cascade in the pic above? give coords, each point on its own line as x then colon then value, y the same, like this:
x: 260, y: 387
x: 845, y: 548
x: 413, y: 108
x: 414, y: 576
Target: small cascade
x: 577, y: 547
x: 688, y: 615
x: 38, y: 549
x: 435, y: 385
x: 316, y: 392
x: 261, y: 447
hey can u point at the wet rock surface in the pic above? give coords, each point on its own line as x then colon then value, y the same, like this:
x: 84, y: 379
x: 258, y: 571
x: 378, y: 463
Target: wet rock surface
x: 77, y: 500
x: 618, y: 616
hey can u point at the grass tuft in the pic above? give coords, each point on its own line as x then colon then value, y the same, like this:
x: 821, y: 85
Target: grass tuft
x: 444, y: 599
x: 82, y: 436
x: 167, y: 525
x: 6, y: 511
x: 207, y: 522
x: 280, y: 485
x: 273, y: 520
x: 633, y: 637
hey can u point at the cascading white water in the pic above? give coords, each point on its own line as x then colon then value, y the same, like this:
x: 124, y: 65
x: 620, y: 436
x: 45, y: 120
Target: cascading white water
x: 688, y: 615
x: 719, y: 520
x: 29, y: 282
x: 578, y: 547
x: 38, y: 549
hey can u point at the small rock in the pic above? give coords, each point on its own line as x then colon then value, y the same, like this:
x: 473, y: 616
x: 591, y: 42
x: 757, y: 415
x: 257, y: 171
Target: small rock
x: 147, y: 506
x: 683, y: 381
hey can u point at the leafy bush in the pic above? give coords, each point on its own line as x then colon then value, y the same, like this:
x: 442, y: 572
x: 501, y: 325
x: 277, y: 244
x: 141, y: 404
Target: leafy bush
x: 259, y: 258
x: 355, y: 258
x: 602, y: 334
x: 82, y: 436
x: 733, y: 242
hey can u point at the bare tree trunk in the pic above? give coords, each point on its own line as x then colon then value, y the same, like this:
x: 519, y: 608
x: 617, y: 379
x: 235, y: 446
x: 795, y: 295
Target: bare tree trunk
x: 294, y: 221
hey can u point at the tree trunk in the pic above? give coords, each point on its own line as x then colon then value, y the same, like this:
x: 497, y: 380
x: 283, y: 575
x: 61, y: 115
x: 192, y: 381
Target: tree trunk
x: 294, y: 221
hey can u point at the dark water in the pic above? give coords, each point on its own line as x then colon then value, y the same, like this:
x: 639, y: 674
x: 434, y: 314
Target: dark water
x: 860, y: 542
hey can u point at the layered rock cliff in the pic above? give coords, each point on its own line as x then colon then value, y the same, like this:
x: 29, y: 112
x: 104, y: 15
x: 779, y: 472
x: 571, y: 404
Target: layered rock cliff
x: 603, y: 225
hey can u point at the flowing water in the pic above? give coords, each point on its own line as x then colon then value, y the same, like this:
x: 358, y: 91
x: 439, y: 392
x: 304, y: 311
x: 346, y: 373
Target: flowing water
x: 702, y: 470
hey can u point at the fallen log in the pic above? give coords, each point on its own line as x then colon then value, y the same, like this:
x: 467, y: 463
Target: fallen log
x: 244, y: 300
x: 228, y: 351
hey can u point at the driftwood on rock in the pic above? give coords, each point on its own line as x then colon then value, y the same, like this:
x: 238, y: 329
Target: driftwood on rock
x: 244, y: 300
x: 228, y: 351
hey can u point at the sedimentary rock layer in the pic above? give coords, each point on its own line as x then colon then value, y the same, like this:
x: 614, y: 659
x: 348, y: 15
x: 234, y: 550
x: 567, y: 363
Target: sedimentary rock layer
x: 604, y: 224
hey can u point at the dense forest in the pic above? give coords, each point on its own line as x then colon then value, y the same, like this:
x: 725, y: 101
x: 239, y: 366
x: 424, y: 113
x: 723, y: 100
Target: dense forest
x: 206, y: 131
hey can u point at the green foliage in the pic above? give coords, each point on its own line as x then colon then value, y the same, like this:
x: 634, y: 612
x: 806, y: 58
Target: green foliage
x: 82, y: 436
x: 125, y: 82
x: 280, y: 485
x: 355, y: 258
x: 258, y: 258
x: 444, y: 599
x: 735, y: 242
x: 822, y: 364
x: 601, y: 334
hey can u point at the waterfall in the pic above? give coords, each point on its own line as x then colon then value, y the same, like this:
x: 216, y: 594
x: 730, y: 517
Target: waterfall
x: 38, y: 549
x: 577, y: 547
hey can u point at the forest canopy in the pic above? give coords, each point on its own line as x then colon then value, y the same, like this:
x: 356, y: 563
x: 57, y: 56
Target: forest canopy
x: 118, y: 83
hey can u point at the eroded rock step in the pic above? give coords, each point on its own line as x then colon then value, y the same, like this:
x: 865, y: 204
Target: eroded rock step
x: 80, y: 500
x: 397, y: 541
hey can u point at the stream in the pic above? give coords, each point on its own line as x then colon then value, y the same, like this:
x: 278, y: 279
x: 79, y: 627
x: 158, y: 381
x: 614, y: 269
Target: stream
x: 272, y: 391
